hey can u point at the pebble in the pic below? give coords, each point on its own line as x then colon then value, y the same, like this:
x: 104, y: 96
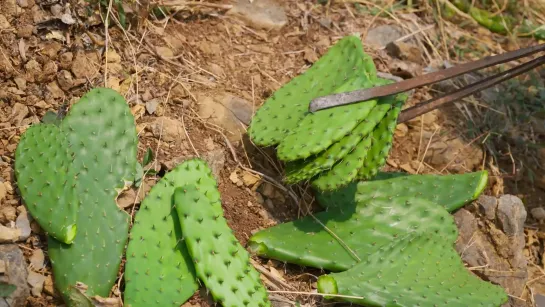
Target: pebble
x: 266, y: 14
x: 168, y: 129
x: 37, y: 259
x: 23, y: 224
x: 538, y: 213
x: 15, y: 273
x: 36, y: 282
x: 512, y: 214
x: 9, y: 235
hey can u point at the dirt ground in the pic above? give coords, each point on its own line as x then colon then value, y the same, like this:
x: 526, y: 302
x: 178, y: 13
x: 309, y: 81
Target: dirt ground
x: 179, y: 73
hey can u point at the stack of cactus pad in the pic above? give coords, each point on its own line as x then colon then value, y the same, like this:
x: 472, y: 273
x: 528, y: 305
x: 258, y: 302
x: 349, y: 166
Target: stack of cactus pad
x: 388, y: 241
x: 69, y: 174
x: 330, y: 147
x: 179, y: 238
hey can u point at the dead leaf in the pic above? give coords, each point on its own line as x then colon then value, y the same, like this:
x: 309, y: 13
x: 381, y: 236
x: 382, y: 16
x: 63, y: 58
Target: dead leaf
x: 249, y: 179
x: 234, y: 179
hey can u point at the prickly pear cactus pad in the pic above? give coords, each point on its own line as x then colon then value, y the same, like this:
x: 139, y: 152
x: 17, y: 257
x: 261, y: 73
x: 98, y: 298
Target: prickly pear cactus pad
x: 415, y: 270
x: 159, y: 271
x: 221, y: 262
x: 382, y: 142
x: 363, y: 228
x: 289, y: 105
x: 101, y: 134
x: 47, y: 180
x: 308, y: 168
x: 451, y: 191
x: 317, y: 131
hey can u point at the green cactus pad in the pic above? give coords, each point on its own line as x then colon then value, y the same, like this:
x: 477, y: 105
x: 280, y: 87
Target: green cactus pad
x: 450, y: 191
x: 159, y: 270
x: 363, y: 228
x: 417, y: 270
x: 289, y: 105
x: 308, y: 168
x: 47, y: 181
x: 101, y: 134
x: 317, y: 131
x: 382, y: 142
x: 345, y: 170
x: 221, y: 262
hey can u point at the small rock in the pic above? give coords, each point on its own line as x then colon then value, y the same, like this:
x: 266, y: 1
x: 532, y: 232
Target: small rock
x: 21, y: 83
x: 16, y: 274
x: 249, y: 179
x: 405, y: 52
x: 164, y: 52
x: 267, y: 14
x: 538, y: 213
x: 56, y: 10
x: 22, y: 3
x: 36, y: 282
x: 234, y: 179
x: 18, y: 113
x: 54, y: 90
x: 216, y: 161
x: 49, y: 70
x: 401, y: 130
x: 487, y: 206
x: 2, y: 267
x: 126, y: 198
x: 404, y: 69
x: 259, y: 198
x: 170, y: 130
x: 4, y: 23
x: 51, y: 49
x: 9, y: 235
x: 68, y: 19
x: 269, y: 204
x: 268, y: 190
x: 511, y: 214
x: 23, y: 224
x: 66, y: 60
x: 25, y: 31
x: 49, y: 288
x: 147, y: 96
x: 113, y: 56
x: 37, y: 259
x: 151, y: 105
x: 383, y: 35
x: 3, y: 192
x: 226, y: 111
x: 8, y: 187
x: 83, y: 67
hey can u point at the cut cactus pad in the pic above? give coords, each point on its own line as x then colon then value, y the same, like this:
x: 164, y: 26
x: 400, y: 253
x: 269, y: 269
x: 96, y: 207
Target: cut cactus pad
x: 100, y: 134
x: 363, y: 228
x: 159, y: 270
x: 282, y: 112
x: 221, y: 262
x: 47, y: 180
x: 415, y: 270
x: 449, y: 191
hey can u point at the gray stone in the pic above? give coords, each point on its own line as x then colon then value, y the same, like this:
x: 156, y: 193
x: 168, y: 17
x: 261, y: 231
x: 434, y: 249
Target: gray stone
x: 216, y: 160
x: 511, y: 214
x: 266, y: 14
x: 23, y: 224
x: 538, y: 213
x: 383, y: 35
x: 487, y: 206
x: 36, y: 282
x: 16, y: 274
x: 151, y: 105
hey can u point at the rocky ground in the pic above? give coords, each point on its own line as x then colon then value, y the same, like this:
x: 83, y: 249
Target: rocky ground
x: 193, y: 81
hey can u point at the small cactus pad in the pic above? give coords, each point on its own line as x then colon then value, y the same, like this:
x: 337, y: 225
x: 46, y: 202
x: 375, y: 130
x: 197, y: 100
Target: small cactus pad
x: 308, y: 168
x: 382, y: 141
x: 289, y: 105
x: 159, y: 271
x: 363, y: 228
x: 221, y: 262
x: 451, y: 191
x: 417, y: 270
x: 317, y: 131
x: 101, y: 134
x: 47, y: 181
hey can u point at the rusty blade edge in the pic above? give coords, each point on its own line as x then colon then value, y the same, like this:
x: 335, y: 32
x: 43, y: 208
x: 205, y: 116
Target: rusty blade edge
x: 335, y: 100
x: 434, y: 103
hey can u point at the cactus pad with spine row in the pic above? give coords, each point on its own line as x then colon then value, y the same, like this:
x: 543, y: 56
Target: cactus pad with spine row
x: 289, y: 105
x: 418, y: 270
x: 317, y: 131
x: 450, y: 191
x: 159, y: 270
x: 47, y: 181
x: 306, y: 169
x: 364, y: 227
x: 363, y: 155
x: 221, y: 262
x: 101, y: 134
